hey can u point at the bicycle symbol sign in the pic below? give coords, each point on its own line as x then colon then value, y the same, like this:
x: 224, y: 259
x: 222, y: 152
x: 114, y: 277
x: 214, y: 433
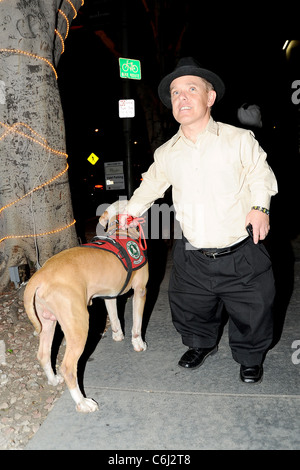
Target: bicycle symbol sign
x: 130, y: 68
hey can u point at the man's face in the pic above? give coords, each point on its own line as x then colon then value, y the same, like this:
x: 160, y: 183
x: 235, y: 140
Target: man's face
x: 191, y: 102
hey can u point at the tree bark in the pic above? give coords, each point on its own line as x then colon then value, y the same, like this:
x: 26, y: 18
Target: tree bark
x: 36, y: 216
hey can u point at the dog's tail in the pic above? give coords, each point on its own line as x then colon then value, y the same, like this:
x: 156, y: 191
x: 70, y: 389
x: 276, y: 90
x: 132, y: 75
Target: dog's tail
x: 29, y: 304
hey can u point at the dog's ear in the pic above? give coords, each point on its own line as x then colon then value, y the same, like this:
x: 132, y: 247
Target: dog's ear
x: 104, y: 219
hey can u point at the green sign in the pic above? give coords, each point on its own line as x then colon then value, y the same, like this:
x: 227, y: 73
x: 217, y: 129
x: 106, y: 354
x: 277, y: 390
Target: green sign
x: 130, y: 68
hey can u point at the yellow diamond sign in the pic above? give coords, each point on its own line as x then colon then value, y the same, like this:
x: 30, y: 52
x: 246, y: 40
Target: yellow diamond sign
x: 93, y: 159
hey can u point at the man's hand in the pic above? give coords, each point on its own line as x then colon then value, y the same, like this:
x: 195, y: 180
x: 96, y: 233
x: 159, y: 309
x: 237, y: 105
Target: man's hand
x: 126, y: 220
x: 123, y: 221
x: 260, y: 223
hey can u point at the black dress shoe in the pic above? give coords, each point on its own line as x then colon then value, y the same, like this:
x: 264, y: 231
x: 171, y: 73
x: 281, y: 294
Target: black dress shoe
x: 195, y: 357
x: 251, y: 375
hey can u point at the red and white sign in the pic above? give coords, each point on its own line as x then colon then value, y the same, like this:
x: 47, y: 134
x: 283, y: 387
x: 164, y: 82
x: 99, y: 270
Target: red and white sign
x: 126, y: 108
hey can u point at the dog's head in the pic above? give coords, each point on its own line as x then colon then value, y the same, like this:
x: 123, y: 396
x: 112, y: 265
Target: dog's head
x: 113, y: 228
x: 118, y: 207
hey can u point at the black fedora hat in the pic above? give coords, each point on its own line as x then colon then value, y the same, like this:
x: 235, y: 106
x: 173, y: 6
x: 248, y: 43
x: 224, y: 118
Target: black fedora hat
x: 189, y: 66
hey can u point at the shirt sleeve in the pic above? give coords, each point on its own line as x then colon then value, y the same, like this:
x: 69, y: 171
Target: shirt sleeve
x: 153, y: 187
x: 259, y: 176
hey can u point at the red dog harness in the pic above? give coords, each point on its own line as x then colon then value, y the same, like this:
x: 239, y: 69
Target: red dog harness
x: 128, y: 250
x: 132, y: 253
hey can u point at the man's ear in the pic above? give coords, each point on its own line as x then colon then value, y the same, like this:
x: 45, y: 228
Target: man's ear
x: 212, y: 95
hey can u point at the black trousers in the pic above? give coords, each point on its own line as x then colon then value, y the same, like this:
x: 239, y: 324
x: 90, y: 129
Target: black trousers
x: 242, y: 282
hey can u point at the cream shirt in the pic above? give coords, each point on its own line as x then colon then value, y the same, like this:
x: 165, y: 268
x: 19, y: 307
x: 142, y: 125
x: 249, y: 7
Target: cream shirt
x: 215, y: 182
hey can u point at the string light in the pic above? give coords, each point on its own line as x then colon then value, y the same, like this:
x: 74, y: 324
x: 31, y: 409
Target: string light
x: 37, y: 137
x: 68, y: 24
x: 43, y: 143
x: 36, y: 56
x: 75, y: 11
x: 67, y: 21
x: 35, y: 189
x: 29, y: 54
x: 57, y: 230
x: 62, y: 41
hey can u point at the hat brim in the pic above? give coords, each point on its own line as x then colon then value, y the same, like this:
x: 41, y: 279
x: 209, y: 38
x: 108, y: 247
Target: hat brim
x: 211, y: 77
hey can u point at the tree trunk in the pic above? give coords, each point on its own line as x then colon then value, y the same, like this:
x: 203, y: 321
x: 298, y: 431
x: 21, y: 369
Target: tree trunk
x: 36, y: 216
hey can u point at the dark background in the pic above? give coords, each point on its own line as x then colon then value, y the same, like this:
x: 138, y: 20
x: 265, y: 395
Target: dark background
x: 255, y: 70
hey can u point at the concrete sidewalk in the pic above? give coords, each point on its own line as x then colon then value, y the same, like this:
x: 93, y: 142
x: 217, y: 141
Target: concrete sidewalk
x: 147, y: 402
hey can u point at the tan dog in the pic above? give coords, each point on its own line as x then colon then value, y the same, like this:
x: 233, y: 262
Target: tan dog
x: 61, y: 291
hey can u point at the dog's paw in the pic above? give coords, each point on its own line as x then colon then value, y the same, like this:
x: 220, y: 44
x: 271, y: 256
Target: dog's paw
x: 117, y: 336
x: 138, y: 344
x: 87, y: 405
x: 55, y: 380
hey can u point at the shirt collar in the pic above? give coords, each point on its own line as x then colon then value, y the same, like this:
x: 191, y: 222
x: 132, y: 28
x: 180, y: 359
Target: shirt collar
x: 212, y: 127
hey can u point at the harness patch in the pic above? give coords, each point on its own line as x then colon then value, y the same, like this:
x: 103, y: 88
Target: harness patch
x: 134, y: 251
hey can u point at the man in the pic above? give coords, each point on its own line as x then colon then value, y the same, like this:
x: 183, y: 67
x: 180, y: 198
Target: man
x: 221, y: 183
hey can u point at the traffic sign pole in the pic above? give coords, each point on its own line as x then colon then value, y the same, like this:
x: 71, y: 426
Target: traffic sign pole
x: 126, y: 92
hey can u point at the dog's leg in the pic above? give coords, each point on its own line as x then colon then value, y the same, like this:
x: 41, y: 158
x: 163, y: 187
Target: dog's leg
x: 111, y: 307
x: 76, y: 332
x: 44, y: 351
x: 139, y: 299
